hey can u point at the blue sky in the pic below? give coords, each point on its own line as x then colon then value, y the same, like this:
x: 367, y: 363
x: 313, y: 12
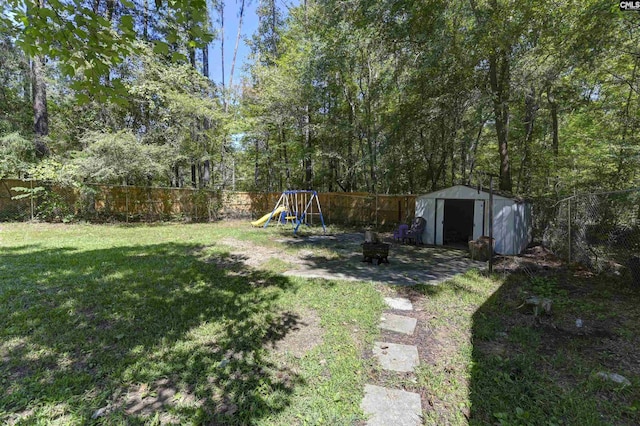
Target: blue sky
x: 249, y: 27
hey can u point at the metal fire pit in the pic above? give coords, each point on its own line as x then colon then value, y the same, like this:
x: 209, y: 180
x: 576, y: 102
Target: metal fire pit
x: 378, y: 251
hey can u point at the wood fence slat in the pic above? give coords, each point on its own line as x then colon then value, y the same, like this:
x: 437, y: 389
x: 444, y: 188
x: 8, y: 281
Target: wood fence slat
x: 154, y: 203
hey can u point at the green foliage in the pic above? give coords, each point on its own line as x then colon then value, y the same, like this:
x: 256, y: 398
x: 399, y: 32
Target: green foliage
x: 88, y: 39
x: 166, y: 101
x: 15, y: 103
x: 382, y: 97
x: 52, y: 207
x: 120, y: 158
x: 401, y: 97
x: 546, y: 287
x: 27, y: 192
x: 54, y: 170
x: 172, y: 108
x: 16, y: 155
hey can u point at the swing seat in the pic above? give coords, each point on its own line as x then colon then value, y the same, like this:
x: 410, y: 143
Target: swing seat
x: 295, y: 207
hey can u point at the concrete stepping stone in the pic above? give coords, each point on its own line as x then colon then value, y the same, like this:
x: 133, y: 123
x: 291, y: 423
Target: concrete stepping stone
x: 399, y: 303
x: 395, y: 357
x: 391, y: 407
x: 398, y: 323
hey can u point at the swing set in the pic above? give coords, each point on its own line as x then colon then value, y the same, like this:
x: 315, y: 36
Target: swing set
x: 297, y: 207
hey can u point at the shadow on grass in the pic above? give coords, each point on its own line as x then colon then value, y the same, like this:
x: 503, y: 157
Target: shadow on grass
x: 486, y: 359
x: 140, y: 331
x: 540, y: 370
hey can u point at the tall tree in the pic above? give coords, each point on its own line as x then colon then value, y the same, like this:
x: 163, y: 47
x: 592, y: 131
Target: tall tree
x: 39, y: 91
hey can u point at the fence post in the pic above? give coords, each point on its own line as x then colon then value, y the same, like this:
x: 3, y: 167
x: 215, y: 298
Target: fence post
x: 376, y: 211
x: 406, y: 210
x: 126, y: 203
x: 31, y: 198
x: 569, y: 226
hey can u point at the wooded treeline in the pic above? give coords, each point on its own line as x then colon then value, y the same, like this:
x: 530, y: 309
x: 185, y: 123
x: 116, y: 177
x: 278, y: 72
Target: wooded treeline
x: 401, y: 96
x: 379, y: 96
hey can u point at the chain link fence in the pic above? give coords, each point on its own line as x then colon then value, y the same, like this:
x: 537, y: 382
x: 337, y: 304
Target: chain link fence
x: 600, y: 231
x: 16, y: 205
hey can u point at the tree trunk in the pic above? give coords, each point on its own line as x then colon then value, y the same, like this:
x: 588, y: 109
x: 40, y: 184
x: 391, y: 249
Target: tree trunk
x: 235, y: 49
x: 40, y: 112
x: 372, y: 170
x: 192, y: 57
x: 205, y: 60
x: 269, y: 166
x: 256, y: 166
x: 351, y: 139
x: 223, y: 147
x: 530, y: 109
x: 453, y: 132
x: 287, y: 168
x: 500, y: 86
x: 626, y: 121
x: 25, y: 77
x: 308, y: 166
x: 206, y: 123
x: 194, y: 183
x: 206, y: 176
x: 221, y: 10
x: 364, y: 174
x: 145, y: 21
x: 471, y: 155
x: 111, y: 7
x: 553, y: 109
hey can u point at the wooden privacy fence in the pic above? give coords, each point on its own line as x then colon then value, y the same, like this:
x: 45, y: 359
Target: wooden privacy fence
x: 131, y: 203
x: 362, y: 208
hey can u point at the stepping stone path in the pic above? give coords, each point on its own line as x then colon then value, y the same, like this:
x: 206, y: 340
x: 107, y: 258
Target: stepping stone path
x: 399, y: 303
x: 395, y: 357
x: 391, y: 406
x: 385, y: 406
x: 398, y: 323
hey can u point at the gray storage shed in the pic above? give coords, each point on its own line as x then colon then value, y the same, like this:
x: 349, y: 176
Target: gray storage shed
x: 460, y: 213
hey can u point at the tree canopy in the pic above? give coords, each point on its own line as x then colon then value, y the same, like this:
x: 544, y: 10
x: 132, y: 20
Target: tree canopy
x: 381, y: 96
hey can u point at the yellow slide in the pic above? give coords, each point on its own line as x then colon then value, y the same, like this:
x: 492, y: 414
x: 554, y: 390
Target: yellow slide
x: 263, y: 219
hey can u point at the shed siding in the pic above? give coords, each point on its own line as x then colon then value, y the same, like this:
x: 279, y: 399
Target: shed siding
x: 428, y: 236
x: 502, y: 226
x: 511, y: 219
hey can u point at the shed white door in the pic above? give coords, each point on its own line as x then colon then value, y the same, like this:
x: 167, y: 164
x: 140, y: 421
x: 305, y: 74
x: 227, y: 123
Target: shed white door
x: 478, y: 219
x: 439, y: 221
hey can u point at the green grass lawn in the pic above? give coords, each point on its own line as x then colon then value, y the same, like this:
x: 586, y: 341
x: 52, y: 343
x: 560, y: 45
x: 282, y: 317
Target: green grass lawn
x: 486, y: 360
x: 159, y: 324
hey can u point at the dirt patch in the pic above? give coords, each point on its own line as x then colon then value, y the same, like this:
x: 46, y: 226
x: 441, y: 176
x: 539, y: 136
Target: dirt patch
x: 304, y: 335
x: 535, y: 259
x: 254, y: 255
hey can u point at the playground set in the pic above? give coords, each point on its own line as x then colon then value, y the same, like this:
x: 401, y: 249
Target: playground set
x: 294, y: 207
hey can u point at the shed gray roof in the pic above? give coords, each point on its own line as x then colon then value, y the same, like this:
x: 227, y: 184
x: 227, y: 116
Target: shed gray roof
x: 498, y: 193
